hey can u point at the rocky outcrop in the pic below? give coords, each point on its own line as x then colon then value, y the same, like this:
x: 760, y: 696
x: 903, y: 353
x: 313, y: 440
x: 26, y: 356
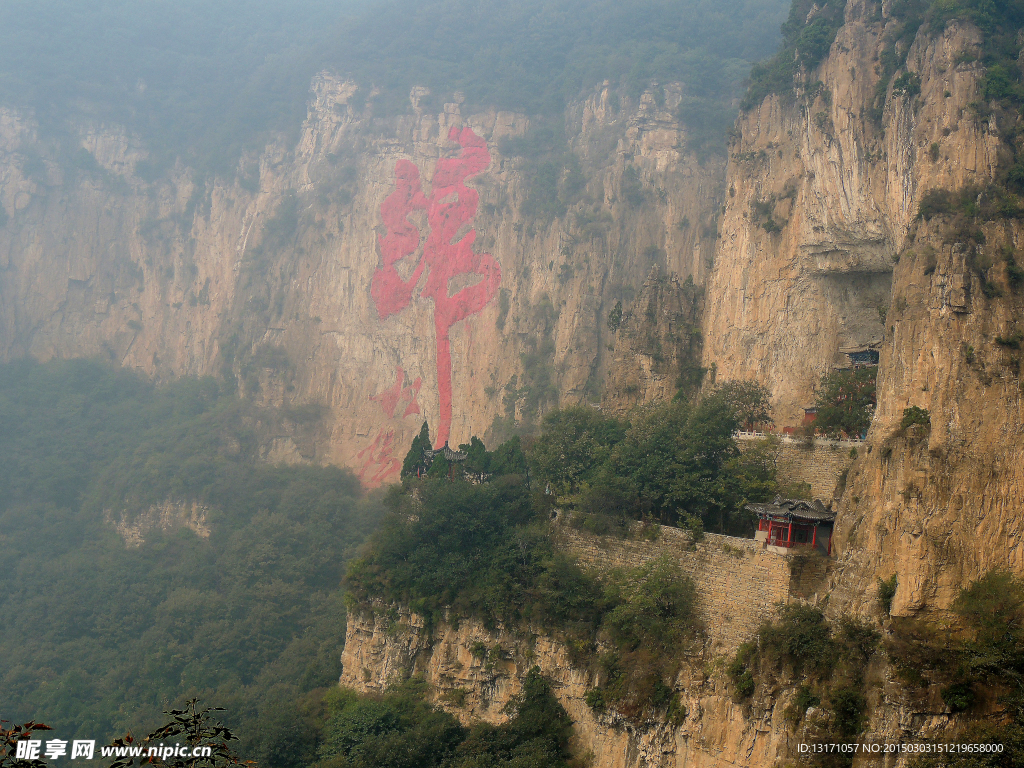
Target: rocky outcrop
x: 166, y: 516
x: 474, y: 672
x: 821, y: 199
x: 268, y: 278
x: 657, y: 344
x: 822, y: 248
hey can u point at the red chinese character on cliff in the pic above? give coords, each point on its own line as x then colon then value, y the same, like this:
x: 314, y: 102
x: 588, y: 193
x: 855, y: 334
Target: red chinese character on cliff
x: 450, y: 206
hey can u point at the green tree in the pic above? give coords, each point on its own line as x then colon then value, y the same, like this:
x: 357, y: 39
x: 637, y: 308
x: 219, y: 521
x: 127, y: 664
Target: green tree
x: 414, y: 463
x: 993, y: 609
x: 748, y: 476
x: 508, y: 458
x: 749, y: 400
x: 575, y: 443
x: 537, y: 736
x: 673, y: 455
x: 398, y: 730
x: 478, y: 458
x: 846, y: 401
x: 655, y: 607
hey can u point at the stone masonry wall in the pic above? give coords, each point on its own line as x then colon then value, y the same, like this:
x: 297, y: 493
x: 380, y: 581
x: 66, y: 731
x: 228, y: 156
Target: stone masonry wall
x: 820, y: 462
x: 739, y: 583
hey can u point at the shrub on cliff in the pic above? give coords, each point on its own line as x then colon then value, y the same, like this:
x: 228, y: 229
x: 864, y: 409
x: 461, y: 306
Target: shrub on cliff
x: 914, y: 415
x: 846, y: 402
x: 827, y: 659
x: 807, y: 34
x: 985, y: 647
x: 650, y: 624
x: 401, y: 730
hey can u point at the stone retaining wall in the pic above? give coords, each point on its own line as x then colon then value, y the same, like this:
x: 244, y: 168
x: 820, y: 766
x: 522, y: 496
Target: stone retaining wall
x: 819, y: 462
x: 739, y: 583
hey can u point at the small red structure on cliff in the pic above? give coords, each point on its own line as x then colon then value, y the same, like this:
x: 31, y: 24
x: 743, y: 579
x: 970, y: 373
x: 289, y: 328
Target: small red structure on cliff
x: 794, y: 523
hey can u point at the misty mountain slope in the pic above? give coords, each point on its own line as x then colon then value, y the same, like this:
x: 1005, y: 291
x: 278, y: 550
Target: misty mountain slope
x: 204, y: 81
x: 148, y: 556
x: 209, y: 230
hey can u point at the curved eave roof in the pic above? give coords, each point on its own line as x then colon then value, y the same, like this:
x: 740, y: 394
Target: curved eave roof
x: 794, y: 508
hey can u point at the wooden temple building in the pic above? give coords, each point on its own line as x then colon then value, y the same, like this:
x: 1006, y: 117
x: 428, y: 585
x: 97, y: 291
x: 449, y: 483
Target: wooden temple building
x: 453, y: 457
x: 788, y: 523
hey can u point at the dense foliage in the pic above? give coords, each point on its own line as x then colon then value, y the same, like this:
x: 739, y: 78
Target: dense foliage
x: 400, y: 730
x: 472, y: 547
x: 676, y: 462
x: 827, y: 662
x: 205, y: 80
x: 98, y: 638
x: 845, y: 402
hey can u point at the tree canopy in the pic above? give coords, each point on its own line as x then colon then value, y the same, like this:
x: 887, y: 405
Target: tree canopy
x: 845, y: 401
x: 98, y: 637
x: 205, y: 81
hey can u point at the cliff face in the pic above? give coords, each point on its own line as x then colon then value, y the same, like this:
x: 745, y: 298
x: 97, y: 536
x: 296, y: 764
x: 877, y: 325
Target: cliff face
x: 481, y: 300
x: 717, y: 732
x: 657, y: 343
x: 822, y: 248
x: 474, y: 672
x: 820, y: 201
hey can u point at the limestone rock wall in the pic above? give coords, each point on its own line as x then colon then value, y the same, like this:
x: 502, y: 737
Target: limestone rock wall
x: 165, y: 516
x: 739, y: 583
x: 657, y: 346
x: 846, y: 260
x: 268, y: 277
x: 716, y: 734
x: 820, y: 199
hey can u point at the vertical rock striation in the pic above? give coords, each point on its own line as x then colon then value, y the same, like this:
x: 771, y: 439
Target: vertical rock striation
x: 822, y: 248
x: 266, y: 278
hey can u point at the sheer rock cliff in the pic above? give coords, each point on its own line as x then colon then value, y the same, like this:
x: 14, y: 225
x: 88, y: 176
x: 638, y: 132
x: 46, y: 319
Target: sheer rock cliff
x: 822, y: 248
x: 267, y: 278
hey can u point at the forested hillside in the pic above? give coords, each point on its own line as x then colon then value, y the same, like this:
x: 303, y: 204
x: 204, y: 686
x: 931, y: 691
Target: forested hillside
x: 243, y: 610
x: 205, y: 81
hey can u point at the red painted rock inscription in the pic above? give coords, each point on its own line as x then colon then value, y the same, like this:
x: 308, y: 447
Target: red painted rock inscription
x: 449, y: 207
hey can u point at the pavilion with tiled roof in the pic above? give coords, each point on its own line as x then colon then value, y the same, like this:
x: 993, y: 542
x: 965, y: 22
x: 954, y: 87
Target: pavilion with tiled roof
x: 789, y: 523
